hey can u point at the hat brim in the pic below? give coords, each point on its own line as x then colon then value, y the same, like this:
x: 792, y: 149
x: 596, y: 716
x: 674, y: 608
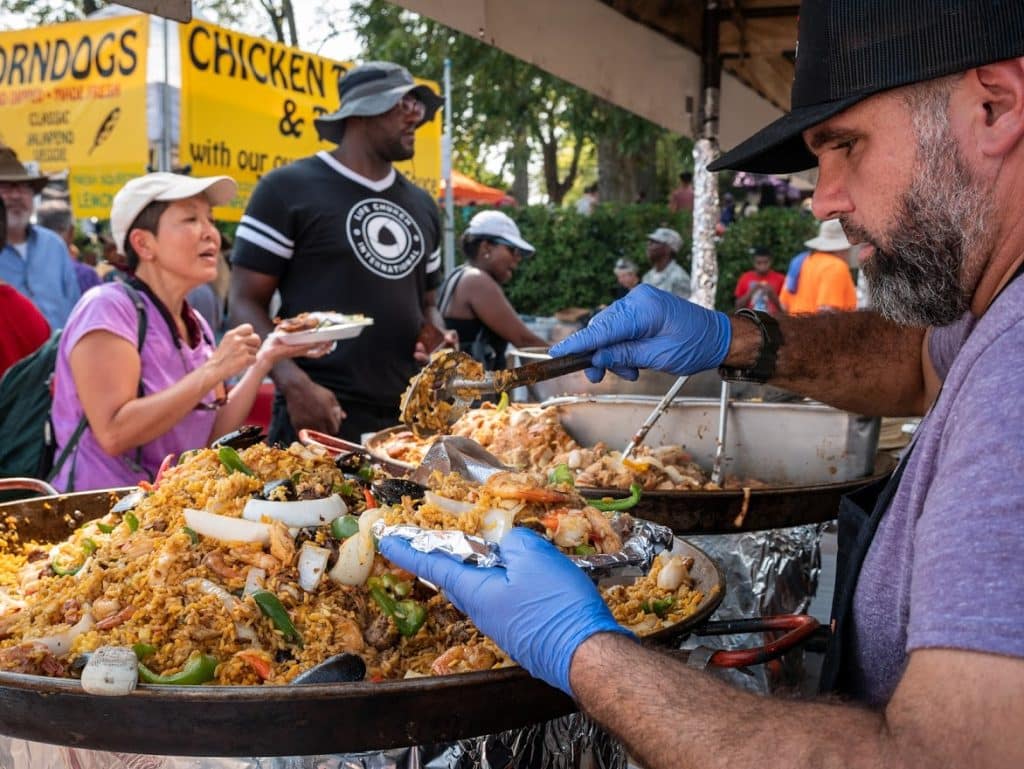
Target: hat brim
x: 519, y: 243
x: 217, y: 189
x: 827, y: 244
x: 332, y: 127
x: 35, y: 182
x: 779, y: 147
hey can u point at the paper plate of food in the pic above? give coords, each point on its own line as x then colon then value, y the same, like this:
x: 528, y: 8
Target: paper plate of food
x: 312, y: 327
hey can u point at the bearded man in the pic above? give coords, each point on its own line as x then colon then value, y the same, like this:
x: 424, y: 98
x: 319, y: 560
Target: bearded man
x: 914, y: 114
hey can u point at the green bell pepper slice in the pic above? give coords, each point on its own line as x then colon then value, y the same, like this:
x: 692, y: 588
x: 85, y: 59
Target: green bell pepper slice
x: 199, y: 669
x: 132, y: 521
x: 561, y: 474
x: 344, y: 526
x: 617, y: 505
x: 273, y: 609
x: 233, y: 462
x: 408, y: 615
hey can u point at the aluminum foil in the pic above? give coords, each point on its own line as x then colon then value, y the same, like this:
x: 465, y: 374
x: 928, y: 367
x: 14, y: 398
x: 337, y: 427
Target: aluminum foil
x: 456, y: 454
x: 644, y: 541
x: 704, y: 267
x: 569, y: 742
x: 766, y: 572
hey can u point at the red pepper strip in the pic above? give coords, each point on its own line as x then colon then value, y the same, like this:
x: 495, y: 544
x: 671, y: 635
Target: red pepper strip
x: 257, y: 662
x: 146, y: 486
x: 371, y: 503
x: 164, y: 466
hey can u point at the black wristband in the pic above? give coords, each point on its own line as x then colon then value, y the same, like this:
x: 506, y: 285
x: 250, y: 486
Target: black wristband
x: 771, y: 339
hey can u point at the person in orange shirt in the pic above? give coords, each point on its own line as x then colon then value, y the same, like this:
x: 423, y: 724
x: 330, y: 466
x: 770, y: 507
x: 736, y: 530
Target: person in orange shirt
x: 824, y: 282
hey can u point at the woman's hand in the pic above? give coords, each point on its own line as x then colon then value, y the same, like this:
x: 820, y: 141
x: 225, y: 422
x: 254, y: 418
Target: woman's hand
x: 235, y: 353
x: 274, y: 348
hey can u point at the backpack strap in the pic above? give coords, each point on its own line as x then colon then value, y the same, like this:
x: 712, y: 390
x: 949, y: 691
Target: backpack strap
x: 83, y: 423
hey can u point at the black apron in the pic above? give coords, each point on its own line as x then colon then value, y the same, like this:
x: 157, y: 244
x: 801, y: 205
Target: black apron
x: 859, y: 516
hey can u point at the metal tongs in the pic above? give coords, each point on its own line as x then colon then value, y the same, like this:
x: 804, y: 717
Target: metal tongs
x: 447, y: 386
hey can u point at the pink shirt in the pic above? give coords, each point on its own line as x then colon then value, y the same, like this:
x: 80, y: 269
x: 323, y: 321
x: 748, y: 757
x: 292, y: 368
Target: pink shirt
x: 109, y: 308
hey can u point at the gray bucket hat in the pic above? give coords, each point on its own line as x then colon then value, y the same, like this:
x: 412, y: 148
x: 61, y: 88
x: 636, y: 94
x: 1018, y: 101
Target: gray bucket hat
x: 372, y: 89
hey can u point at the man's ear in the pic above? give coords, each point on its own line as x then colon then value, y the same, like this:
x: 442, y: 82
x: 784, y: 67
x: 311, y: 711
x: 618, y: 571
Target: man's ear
x: 999, y: 88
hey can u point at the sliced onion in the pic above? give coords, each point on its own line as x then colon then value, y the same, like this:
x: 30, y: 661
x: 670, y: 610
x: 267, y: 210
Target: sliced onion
x: 368, y: 518
x: 254, y: 580
x: 355, y: 560
x: 60, y: 643
x: 225, y: 528
x: 298, y: 514
x: 228, y: 601
x: 453, y: 506
x: 312, y: 565
x: 497, y: 522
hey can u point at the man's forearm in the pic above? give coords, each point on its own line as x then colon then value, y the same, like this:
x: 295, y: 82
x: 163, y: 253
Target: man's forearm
x: 670, y: 716
x: 855, y: 361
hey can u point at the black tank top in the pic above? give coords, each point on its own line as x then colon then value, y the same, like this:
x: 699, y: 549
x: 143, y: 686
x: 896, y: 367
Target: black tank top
x: 475, y: 337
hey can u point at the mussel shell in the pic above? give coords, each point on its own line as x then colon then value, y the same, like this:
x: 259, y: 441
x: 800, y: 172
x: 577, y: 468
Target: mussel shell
x: 341, y: 668
x: 242, y: 438
x: 391, y: 490
x: 289, y: 485
x: 350, y: 461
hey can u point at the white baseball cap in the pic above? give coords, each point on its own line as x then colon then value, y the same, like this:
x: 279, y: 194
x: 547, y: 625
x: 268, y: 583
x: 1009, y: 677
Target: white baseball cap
x: 143, y: 190
x: 669, y: 237
x: 495, y: 225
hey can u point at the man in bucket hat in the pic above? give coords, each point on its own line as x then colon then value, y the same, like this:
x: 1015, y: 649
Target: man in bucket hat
x: 34, y: 260
x: 914, y: 114
x: 663, y: 245
x: 823, y: 282
x: 343, y: 230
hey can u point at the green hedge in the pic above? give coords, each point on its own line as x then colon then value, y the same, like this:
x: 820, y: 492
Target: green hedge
x: 575, y: 254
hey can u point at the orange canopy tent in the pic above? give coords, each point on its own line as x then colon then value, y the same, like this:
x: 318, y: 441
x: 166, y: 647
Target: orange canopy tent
x: 467, y: 191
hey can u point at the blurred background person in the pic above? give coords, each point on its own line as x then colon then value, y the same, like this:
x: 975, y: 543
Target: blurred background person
x: 24, y: 329
x: 822, y: 278
x: 681, y: 198
x: 662, y: 246
x: 34, y: 260
x: 56, y: 215
x: 627, y: 274
x: 471, y: 299
x: 759, y: 288
x: 170, y: 395
x: 589, y: 199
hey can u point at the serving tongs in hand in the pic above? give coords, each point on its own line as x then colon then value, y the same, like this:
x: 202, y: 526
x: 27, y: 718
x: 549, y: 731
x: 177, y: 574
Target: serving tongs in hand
x: 447, y: 386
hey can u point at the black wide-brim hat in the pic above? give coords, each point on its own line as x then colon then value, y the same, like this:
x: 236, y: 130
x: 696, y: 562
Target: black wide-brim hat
x: 372, y: 89
x: 848, y: 50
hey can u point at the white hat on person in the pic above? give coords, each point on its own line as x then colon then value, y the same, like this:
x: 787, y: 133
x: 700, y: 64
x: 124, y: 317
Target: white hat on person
x: 161, y: 185
x: 494, y: 225
x: 669, y: 237
x: 830, y: 237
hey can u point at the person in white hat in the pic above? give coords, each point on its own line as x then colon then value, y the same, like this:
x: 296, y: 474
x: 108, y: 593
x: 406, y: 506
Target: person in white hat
x: 662, y: 247
x: 138, y: 376
x: 824, y: 282
x: 471, y: 300
x: 34, y: 260
x: 344, y: 230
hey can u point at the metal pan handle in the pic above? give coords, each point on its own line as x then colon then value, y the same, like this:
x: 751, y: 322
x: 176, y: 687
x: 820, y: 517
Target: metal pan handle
x: 798, y: 627
x: 28, y: 484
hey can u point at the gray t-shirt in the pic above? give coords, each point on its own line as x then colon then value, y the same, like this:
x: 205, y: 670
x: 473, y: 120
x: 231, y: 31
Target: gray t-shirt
x: 946, y: 567
x: 673, y: 279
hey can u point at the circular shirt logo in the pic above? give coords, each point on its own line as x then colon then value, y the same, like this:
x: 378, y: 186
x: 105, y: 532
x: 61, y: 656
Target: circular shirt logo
x: 384, y: 238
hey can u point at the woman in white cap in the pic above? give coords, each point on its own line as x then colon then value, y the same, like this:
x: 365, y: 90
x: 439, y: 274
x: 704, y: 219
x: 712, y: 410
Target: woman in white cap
x: 472, y: 301
x: 138, y: 376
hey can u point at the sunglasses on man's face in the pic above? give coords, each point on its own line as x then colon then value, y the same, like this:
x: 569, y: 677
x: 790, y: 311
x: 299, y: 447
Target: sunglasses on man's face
x: 410, y: 105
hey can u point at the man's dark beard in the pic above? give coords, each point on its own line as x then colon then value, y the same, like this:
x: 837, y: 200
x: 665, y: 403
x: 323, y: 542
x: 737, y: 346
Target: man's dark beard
x: 917, y: 278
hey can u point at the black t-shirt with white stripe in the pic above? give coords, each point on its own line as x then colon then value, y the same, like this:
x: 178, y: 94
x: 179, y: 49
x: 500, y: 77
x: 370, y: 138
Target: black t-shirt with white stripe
x: 338, y: 241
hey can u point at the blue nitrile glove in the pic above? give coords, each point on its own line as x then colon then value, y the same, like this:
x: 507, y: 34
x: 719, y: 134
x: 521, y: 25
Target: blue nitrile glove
x: 539, y: 608
x: 650, y: 328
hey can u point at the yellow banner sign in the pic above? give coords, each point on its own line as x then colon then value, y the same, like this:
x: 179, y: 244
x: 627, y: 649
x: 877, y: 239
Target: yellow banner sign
x: 73, y: 97
x: 248, y: 107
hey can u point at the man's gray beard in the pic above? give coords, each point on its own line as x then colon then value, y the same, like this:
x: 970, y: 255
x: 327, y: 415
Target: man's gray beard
x: 918, y: 278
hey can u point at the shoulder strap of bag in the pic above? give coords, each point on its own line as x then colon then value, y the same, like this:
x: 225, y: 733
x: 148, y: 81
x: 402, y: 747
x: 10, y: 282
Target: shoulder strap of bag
x: 448, y: 289
x: 83, y: 423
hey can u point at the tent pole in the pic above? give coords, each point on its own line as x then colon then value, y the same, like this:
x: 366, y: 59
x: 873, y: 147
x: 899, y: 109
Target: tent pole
x: 704, y: 272
x: 446, y: 172
x: 164, y: 163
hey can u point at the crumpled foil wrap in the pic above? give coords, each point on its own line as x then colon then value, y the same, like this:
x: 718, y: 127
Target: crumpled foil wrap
x: 766, y: 572
x: 645, y: 540
x: 456, y: 454
x: 564, y: 743
x: 704, y: 267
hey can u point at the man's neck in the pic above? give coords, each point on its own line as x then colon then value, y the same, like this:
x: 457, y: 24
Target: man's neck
x: 17, y: 236
x: 361, y: 160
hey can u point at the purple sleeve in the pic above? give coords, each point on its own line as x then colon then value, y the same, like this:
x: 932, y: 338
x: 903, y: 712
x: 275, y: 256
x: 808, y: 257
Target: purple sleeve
x: 966, y: 584
x: 108, y: 309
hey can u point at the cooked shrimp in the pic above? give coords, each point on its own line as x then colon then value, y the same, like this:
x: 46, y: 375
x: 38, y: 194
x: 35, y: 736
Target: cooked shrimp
x: 282, y: 544
x: 601, y: 531
x: 348, y: 635
x: 462, y: 659
x: 257, y: 558
x: 573, y: 530
x: 523, y: 486
x: 116, y: 619
x: 215, y: 562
